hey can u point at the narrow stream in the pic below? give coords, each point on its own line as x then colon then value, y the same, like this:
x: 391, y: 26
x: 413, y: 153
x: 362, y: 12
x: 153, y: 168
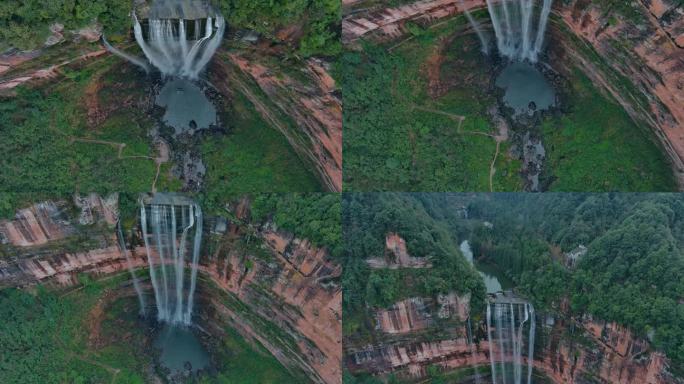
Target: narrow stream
x: 495, y: 280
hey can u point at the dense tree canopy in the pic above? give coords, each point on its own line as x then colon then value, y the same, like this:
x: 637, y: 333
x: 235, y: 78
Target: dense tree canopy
x: 25, y: 24
x: 367, y: 218
x: 314, y: 216
x: 632, y: 271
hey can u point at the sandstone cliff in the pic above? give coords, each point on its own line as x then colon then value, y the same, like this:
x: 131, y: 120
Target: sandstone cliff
x: 595, y: 352
x: 309, y: 99
x: 267, y: 285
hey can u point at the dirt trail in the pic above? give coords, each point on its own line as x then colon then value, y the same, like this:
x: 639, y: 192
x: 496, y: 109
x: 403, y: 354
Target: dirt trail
x: 161, y: 159
x: 499, y: 138
x: 48, y: 72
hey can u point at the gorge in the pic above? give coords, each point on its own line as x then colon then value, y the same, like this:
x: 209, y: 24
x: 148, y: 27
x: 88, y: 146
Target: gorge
x: 228, y: 116
x: 544, y: 104
x: 222, y: 326
x: 443, y: 322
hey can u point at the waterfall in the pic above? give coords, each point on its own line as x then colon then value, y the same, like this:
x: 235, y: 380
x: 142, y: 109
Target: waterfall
x: 483, y: 41
x: 168, y: 274
x: 170, y: 48
x: 509, y: 332
x: 512, y: 21
x: 129, y: 264
x: 530, y: 345
x: 140, y: 63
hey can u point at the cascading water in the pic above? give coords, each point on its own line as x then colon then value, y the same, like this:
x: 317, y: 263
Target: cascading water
x: 480, y: 34
x: 176, y: 46
x: 510, y: 320
x: 173, y: 51
x: 129, y: 265
x: 518, y: 37
x: 170, y: 225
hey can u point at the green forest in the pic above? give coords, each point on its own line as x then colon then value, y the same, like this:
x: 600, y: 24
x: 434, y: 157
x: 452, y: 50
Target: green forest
x: 630, y: 274
x: 24, y: 24
x: 366, y: 219
x: 313, y: 216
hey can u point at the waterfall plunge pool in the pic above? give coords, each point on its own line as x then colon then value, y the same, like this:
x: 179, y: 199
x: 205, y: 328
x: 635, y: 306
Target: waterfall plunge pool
x: 527, y: 90
x: 181, y: 351
x: 188, y: 109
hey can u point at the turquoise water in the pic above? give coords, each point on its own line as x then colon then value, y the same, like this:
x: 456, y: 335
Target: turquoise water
x: 187, y: 107
x: 524, y: 86
x: 181, y: 350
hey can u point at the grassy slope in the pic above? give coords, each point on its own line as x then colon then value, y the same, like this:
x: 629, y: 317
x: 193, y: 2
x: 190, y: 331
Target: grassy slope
x: 45, y: 339
x: 39, y: 153
x: 597, y: 147
x: 253, y: 157
x: 390, y: 145
x: 40, y: 156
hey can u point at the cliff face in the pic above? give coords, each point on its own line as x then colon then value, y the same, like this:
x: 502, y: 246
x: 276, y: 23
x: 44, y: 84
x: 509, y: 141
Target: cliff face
x: 62, y: 269
x: 297, y: 292
x: 35, y: 225
x: 609, y: 353
x: 286, y: 283
x: 648, y: 51
x: 310, y: 100
x: 397, y: 256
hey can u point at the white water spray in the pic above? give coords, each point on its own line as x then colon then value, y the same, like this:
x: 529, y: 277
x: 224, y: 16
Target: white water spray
x: 510, y: 334
x: 135, y: 60
x: 170, y: 48
x: 480, y: 34
x: 129, y: 264
x: 171, y: 250
x: 513, y: 22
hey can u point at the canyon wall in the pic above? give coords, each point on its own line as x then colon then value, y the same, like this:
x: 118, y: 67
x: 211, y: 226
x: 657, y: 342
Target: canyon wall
x: 308, y: 99
x: 296, y: 291
x: 597, y: 352
x: 649, y: 51
x: 36, y: 225
x: 283, y: 292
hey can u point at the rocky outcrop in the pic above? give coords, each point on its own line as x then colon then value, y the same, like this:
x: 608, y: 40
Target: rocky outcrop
x: 94, y: 207
x: 313, y: 104
x: 11, y: 81
x: 389, y: 23
x: 406, y: 316
x: 302, y: 298
x: 417, y: 313
x: 397, y: 256
x: 36, y: 225
x: 62, y: 269
x: 413, y: 358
